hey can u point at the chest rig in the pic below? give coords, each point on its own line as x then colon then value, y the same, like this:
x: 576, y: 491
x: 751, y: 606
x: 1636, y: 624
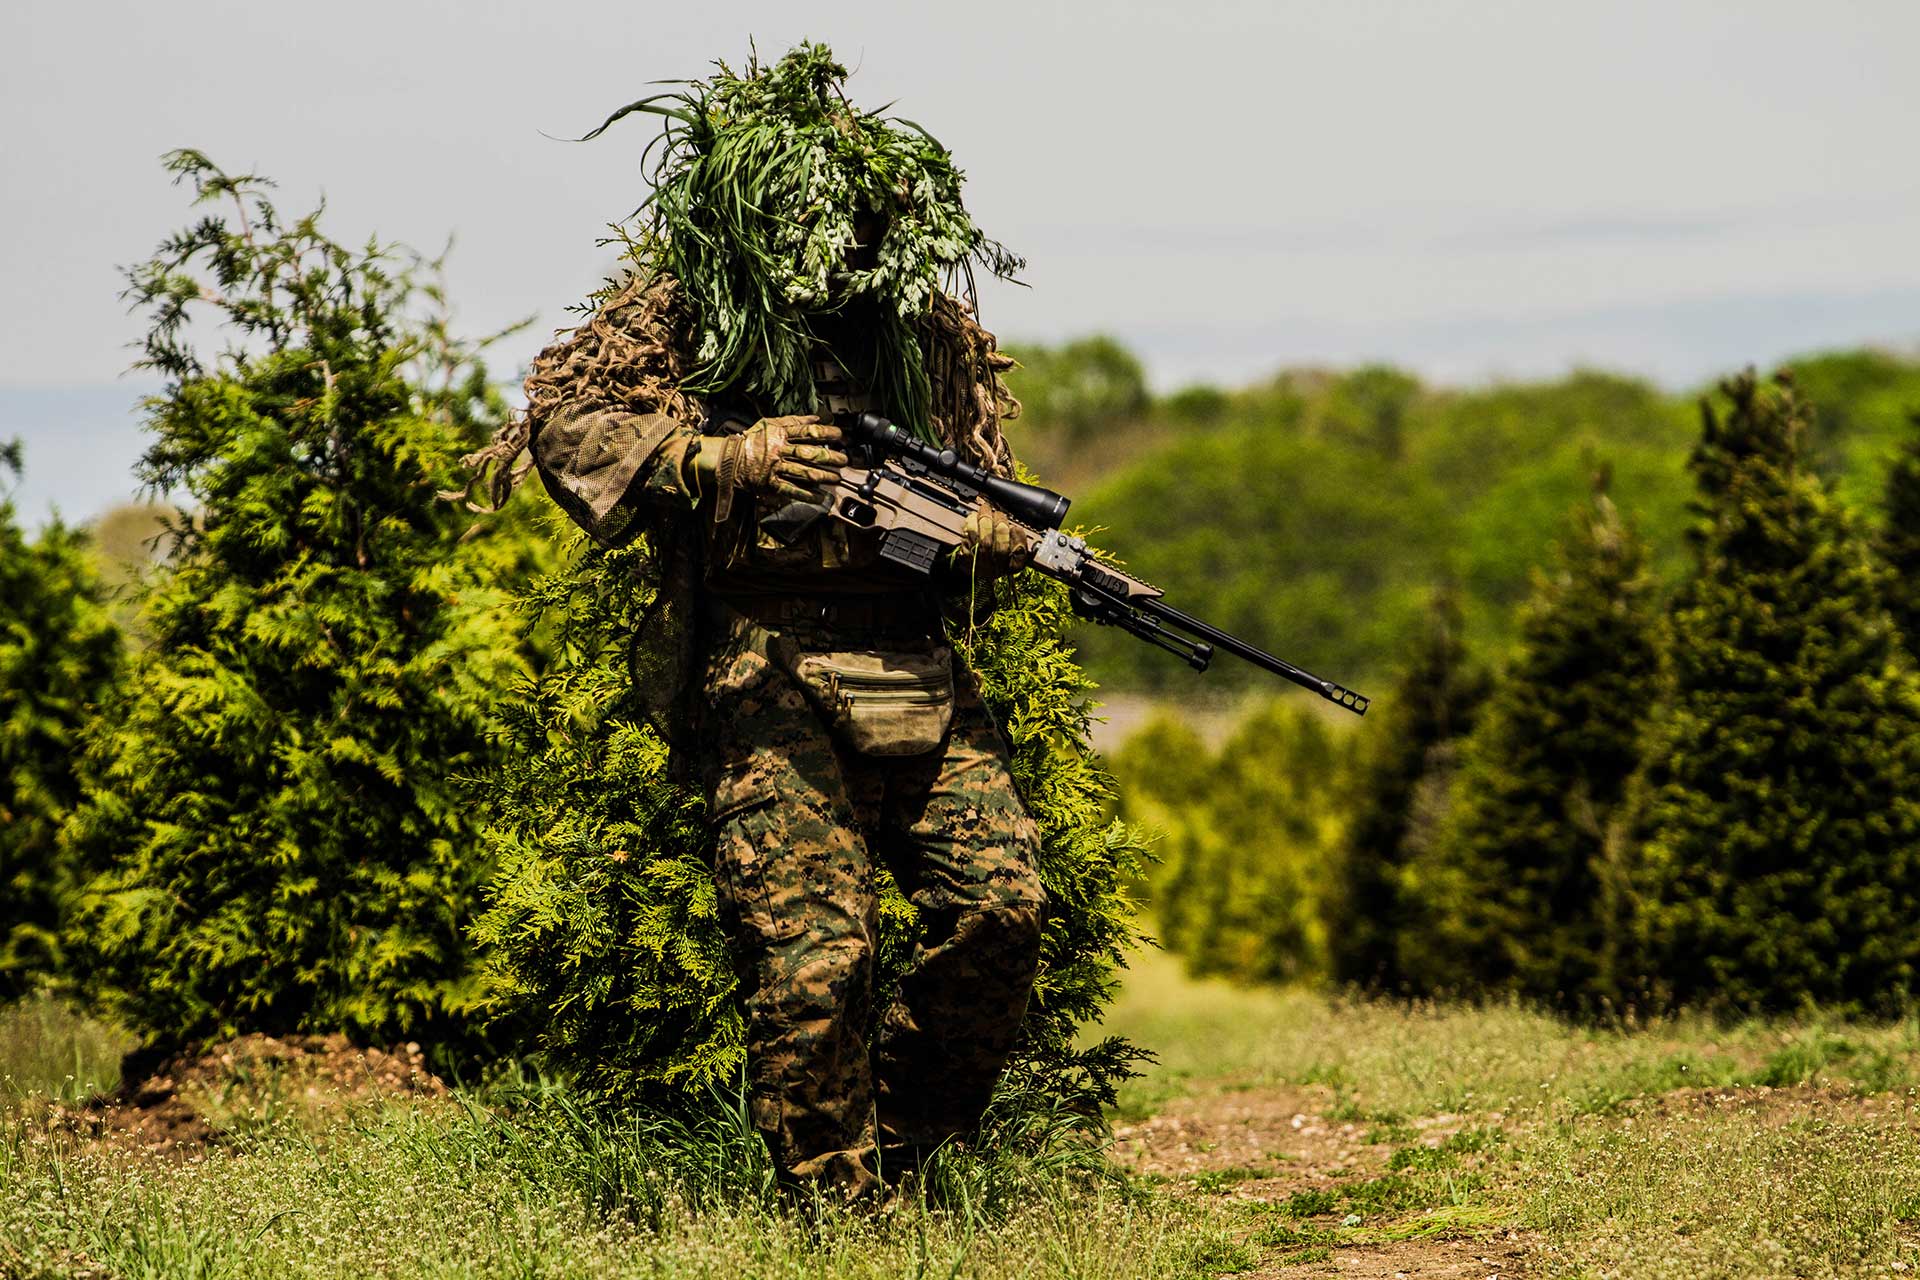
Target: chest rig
x: 835, y: 390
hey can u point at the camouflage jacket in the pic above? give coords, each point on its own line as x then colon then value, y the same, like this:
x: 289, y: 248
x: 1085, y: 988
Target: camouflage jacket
x: 613, y: 438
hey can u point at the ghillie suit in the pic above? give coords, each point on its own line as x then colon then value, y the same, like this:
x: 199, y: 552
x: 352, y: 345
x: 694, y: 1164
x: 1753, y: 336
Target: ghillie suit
x: 810, y: 687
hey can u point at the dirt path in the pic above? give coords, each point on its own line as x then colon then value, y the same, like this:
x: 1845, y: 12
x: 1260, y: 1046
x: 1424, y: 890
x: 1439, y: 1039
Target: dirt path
x: 1277, y: 1150
x: 1326, y: 1196
x: 1219, y: 1133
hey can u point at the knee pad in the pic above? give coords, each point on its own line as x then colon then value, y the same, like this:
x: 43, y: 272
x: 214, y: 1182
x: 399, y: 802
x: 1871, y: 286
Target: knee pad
x: 1006, y: 934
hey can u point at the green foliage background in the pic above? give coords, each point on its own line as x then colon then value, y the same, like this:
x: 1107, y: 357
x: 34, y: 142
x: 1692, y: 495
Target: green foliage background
x: 1243, y: 835
x: 1315, y: 512
x: 59, y: 657
x: 1690, y: 791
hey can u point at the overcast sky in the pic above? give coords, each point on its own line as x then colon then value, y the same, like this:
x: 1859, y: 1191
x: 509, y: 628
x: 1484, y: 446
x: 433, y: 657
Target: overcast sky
x: 1469, y: 189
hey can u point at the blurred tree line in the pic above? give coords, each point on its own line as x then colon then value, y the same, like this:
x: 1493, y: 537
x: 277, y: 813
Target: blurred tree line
x: 1699, y: 792
x: 1314, y: 513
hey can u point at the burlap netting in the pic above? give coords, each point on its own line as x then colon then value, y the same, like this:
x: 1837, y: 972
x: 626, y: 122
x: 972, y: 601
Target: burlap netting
x: 970, y: 398
x: 631, y: 355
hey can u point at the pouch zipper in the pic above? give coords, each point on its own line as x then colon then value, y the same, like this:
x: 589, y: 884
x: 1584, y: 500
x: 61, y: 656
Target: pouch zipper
x: 902, y: 689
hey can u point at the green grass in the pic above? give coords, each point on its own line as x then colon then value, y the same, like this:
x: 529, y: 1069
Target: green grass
x: 1720, y: 1193
x: 525, y: 1181
x: 1603, y: 1150
x: 454, y: 1191
x: 1683, y: 1148
x: 49, y: 1051
x: 1385, y: 1062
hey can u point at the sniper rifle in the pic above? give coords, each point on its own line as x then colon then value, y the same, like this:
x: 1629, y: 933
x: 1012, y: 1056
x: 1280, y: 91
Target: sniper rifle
x: 920, y: 496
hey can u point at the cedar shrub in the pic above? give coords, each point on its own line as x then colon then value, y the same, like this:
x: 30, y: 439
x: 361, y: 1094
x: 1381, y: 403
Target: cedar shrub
x: 1900, y: 540
x: 1515, y: 895
x: 1399, y: 789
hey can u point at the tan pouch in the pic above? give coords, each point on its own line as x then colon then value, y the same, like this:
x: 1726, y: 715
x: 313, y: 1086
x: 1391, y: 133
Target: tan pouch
x: 882, y: 703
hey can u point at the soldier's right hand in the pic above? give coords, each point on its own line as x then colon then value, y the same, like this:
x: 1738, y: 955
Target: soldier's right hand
x: 795, y: 457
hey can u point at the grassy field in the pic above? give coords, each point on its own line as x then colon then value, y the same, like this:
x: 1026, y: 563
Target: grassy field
x: 1281, y: 1133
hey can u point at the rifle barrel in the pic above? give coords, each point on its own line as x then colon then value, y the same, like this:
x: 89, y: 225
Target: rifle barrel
x: 1354, y: 702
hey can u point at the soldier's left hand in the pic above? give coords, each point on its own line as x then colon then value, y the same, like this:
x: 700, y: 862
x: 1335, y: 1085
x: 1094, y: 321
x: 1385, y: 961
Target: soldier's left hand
x: 794, y: 457
x: 994, y: 545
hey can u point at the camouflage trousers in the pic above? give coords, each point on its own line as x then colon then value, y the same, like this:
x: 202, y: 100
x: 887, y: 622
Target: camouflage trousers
x: 804, y: 826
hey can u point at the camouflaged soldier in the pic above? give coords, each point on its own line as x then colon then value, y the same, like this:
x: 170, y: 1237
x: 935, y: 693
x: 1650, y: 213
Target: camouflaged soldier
x: 830, y: 723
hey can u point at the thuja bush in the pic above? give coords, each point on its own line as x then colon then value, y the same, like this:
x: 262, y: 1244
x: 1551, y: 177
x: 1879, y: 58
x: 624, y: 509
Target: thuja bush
x: 602, y: 932
x: 1779, y: 827
x: 1900, y: 540
x: 601, y: 921
x: 59, y: 656
x: 274, y: 799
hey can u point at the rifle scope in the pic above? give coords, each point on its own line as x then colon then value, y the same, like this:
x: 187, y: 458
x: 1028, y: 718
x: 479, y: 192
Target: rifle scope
x: 1037, y: 508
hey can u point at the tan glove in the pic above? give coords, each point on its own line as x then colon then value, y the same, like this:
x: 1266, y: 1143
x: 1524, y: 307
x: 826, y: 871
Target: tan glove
x: 794, y: 457
x: 994, y: 545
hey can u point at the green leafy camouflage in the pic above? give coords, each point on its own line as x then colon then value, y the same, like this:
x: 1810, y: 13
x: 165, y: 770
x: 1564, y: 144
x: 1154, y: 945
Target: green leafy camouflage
x: 604, y: 927
x: 761, y: 181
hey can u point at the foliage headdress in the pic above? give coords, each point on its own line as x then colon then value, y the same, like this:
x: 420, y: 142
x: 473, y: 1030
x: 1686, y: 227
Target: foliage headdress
x: 762, y: 181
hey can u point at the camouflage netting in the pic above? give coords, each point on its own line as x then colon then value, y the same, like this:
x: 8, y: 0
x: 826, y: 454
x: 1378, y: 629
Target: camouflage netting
x: 626, y: 356
x: 630, y: 355
x: 970, y: 398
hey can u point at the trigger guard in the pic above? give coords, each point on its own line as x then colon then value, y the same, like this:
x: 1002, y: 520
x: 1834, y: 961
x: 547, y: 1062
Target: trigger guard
x: 790, y: 523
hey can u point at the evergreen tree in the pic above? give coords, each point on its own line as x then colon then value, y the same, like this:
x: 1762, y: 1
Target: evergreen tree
x: 602, y: 930
x: 1515, y: 894
x: 59, y: 656
x: 1778, y: 807
x: 275, y: 800
x: 1900, y: 541
x: 1399, y: 789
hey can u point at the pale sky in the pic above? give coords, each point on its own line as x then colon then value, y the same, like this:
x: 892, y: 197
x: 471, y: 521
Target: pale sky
x: 1471, y: 190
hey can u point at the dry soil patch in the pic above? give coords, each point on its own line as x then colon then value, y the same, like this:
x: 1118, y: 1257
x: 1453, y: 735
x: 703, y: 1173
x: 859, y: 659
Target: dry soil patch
x: 1286, y: 1128
x: 189, y: 1101
x: 1501, y: 1258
